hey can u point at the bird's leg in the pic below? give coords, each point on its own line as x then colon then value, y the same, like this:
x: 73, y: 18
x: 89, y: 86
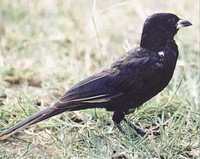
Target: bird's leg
x: 95, y: 114
x: 117, y: 118
x: 118, y: 126
x: 138, y: 130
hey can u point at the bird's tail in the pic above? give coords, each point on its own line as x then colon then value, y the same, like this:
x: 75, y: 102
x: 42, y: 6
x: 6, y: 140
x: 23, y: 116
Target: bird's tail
x: 42, y: 115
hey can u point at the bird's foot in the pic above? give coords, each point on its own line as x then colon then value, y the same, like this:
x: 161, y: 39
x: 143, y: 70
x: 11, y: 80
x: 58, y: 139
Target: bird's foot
x: 153, y: 130
x: 150, y: 131
x: 118, y: 126
x: 139, y: 131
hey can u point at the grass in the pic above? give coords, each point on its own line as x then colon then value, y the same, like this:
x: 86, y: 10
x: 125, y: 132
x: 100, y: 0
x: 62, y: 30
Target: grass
x: 47, y: 46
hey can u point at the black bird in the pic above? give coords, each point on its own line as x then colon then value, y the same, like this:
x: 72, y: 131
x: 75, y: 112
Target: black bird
x: 129, y: 82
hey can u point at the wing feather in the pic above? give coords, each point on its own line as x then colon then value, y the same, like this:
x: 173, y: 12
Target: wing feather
x: 108, y: 85
x: 94, y: 89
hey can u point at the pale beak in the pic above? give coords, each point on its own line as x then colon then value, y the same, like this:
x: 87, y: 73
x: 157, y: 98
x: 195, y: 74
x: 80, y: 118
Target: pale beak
x: 182, y: 23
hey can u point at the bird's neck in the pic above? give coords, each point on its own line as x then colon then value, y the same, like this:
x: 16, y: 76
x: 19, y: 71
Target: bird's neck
x: 155, y: 41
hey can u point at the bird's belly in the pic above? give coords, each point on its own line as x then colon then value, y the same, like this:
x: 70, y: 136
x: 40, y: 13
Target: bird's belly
x: 150, y: 87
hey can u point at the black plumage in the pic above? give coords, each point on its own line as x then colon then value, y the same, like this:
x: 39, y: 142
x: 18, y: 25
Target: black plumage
x: 129, y: 82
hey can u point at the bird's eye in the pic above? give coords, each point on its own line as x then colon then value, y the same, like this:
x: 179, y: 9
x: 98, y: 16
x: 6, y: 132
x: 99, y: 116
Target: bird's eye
x: 172, y: 20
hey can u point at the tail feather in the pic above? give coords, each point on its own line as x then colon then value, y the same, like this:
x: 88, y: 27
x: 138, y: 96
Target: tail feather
x: 42, y: 115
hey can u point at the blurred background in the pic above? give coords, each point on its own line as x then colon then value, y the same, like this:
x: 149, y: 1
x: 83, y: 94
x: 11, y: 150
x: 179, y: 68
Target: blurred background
x: 47, y: 46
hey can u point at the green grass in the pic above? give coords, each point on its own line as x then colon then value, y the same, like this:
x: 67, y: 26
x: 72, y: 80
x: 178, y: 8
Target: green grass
x: 47, y: 46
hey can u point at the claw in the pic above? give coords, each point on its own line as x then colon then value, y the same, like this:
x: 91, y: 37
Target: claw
x: 154, y: 131
x: 138, y: 130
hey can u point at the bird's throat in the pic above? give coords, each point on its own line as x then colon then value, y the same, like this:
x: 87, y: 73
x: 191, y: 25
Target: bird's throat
x: 154, y: 42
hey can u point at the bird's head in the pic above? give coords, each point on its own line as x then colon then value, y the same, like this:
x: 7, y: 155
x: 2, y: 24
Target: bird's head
x: 160, y: 28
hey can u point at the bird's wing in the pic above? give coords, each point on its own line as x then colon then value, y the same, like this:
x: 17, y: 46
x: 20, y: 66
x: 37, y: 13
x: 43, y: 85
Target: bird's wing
x: 123, y: 76
x: 94, y: 89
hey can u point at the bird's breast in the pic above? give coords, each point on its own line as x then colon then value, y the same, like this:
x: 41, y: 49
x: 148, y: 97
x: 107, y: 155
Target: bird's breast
x: 155, y: 77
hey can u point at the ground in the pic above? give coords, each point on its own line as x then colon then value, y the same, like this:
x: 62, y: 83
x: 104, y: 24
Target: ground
x: 47, y: 46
